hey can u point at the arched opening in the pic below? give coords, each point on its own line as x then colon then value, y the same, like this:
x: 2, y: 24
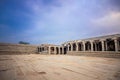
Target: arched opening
x: 87, y: 46
x: 57, y: 50
x: 38, y: 49
x: 110, y: 45
x: 97, y: 45
x: 94, y: 46
x: 118, y: 43
x: 69, y: 47
x: 74, y: 47
x: 52, y: 50
x: 60, y: 50
x: 79, y: 46
x: 65, y: 50
x: 42, y: 49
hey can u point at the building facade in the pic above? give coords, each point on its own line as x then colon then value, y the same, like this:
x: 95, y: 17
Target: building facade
x: 102, y: 43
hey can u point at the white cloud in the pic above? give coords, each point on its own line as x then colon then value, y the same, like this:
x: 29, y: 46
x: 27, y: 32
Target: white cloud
x: 107, y: 24
x: 110, y: 20
x: 68, y: 21
x: 58, y: 23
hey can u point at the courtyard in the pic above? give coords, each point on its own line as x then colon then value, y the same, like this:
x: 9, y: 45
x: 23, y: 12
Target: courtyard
x: 58, y: 67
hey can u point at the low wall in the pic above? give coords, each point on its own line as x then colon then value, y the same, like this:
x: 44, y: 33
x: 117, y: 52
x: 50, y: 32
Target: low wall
x: 6, y: 48
x: 96, y: 54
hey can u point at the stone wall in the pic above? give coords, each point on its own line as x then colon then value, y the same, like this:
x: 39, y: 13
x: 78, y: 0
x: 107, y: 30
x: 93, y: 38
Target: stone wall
x: 6, y: 48
x: 106, y: 54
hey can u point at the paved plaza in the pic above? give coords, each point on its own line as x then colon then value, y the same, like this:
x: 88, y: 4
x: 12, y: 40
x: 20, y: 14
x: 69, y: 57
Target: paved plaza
x: 58, y: 67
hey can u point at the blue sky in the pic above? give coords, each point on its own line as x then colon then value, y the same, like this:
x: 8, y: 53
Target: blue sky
x: 57, y: 21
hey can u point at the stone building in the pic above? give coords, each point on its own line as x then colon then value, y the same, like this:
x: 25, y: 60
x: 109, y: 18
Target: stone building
x: 50, y: 49
x: 107, y: 43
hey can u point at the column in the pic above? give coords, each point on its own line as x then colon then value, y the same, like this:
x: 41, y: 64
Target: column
x: 103, y: 47
x: 91, y: 42
x: 106, y: 48
x: 116, y: 45
x: 83, y: 46
x: 63, y: 50
x: 76, y: 46
x: 71, y: 47
x: 95, y: 46
x: 68, y: 47
x: 49, y: 50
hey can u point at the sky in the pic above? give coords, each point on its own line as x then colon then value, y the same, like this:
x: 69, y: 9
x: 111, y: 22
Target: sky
x: 57, y: 21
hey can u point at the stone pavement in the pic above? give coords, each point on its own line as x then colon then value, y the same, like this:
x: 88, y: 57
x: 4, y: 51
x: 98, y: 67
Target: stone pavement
x: 58, y: 67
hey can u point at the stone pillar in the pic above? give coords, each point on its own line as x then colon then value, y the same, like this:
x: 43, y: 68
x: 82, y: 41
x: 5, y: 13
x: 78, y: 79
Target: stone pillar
x: 76, y: 46
x: 68, y: 47
x: 91, y: 42
x: 49, y: 50
x: 95, y: 46
x: 71, y: 47
x: 83, y: 45
x: 103, y: 47
x: 106, y: 47
x: 116, y: 45
x: 63, y: 50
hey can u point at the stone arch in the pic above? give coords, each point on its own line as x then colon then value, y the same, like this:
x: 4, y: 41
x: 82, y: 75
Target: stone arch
x: 94, y: 46
x: 39, y: 49
x: 87, y: 46
x: 42, y: 49
x: 118, y: 39
x: 60, y: 50
x: 65, y: 50
x: 52, y: 50
x: 69, y: 46
x: 110, y: 44
x: 57, y: 50
x: 74, y: 46
x: 80, y: 46
x: 97, y: 45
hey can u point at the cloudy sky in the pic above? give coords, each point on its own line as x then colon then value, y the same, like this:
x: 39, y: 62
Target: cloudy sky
x: 57, y: 21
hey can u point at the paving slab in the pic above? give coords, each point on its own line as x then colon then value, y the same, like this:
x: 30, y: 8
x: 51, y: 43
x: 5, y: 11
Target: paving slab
x: 58, y: 67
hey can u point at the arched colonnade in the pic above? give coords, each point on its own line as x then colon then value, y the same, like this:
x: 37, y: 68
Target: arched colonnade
x: 109, y: 44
